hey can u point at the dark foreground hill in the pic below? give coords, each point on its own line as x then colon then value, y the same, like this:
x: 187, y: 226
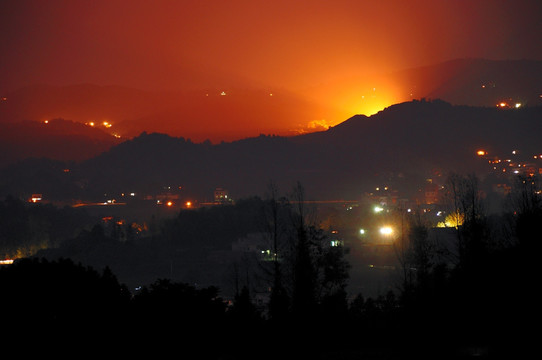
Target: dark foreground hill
x: 400, y: 146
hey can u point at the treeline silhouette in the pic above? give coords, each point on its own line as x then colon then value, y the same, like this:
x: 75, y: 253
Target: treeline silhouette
x: 26, y: 229
x: 479, y: 302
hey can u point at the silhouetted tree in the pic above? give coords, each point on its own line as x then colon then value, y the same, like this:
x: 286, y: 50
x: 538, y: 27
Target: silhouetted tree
x: 165, y: 302
x: 304, y: 272
x: 279, y: 300
x: 464, y: 195
x: 319, y: 270
x: 244, y: 311
x: 526, y: 201
x: 61, y: 294
x: 333, y: 274
x: 26, y: 228
x: 403, y: 251
x: 422, y: 252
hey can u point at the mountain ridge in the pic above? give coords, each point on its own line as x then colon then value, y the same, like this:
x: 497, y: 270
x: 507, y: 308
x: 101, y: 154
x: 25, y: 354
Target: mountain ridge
x: 205, y: 114
x: 400, y: 146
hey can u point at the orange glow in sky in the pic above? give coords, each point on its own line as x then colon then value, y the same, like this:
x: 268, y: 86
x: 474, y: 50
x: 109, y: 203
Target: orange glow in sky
x: 333, y: 57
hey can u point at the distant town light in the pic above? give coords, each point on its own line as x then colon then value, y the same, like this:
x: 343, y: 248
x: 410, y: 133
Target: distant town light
x: 481, y: 152
x: 36, y: 198
x: 169, y: 203
x: 386, y: 230
x: 378, y: 209
x: 362, y: 231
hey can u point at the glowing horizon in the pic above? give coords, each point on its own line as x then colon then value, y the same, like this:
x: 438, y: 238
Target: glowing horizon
x: 338, y: 56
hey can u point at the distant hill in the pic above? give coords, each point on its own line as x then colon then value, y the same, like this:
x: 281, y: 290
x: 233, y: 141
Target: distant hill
x: 201, y: 114
x: 198, y: 114
x: 400, y: 146
x: 406, y: 143
x: 476, y: 82
x: 473, y: 82
x: 80, y: 102
x: 55, y: 139
x: 424, y: 137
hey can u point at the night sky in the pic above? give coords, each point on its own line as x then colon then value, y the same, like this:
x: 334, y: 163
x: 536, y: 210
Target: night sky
x: 312, y: 49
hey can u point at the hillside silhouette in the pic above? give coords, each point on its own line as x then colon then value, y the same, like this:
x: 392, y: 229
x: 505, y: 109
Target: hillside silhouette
x: 402, y: 146
x: 410, y: 140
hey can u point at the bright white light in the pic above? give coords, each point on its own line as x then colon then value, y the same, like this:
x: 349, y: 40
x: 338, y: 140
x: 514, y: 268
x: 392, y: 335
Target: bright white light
x: 378, y: 209
x: 362, y: 231
x: 386, y: 230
